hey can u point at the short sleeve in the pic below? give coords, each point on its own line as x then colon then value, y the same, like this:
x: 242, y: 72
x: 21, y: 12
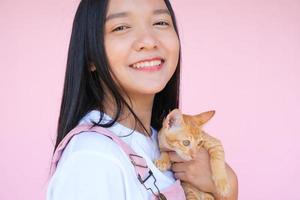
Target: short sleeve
x: 88, y: 176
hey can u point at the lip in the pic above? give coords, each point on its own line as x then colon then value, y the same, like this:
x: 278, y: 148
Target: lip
x: 149, y: 69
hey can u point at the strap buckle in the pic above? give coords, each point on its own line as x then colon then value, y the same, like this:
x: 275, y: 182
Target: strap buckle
x: 159, y: 195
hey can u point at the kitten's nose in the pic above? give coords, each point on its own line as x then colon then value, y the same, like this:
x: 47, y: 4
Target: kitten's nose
x: 192, y: 152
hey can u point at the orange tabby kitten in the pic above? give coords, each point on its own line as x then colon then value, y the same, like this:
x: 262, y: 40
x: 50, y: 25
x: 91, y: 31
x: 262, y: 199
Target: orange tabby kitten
x: 184, y: 135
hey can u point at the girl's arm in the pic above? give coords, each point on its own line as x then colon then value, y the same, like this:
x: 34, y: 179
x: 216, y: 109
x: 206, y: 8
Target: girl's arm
x: 198, y: 173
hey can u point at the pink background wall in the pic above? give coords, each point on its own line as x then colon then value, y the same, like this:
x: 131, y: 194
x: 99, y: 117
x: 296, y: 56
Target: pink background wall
x: 241, y: 58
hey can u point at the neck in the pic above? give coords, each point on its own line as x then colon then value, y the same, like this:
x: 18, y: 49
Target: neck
x: 141, y: 106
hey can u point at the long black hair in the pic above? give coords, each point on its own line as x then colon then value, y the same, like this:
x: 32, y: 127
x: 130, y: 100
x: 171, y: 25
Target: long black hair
x: 84, y: 89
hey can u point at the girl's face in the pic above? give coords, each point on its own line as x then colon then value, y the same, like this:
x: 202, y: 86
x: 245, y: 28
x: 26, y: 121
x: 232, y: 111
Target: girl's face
x: 141, y: 45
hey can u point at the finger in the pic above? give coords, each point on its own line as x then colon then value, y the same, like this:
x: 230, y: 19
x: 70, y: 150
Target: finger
x: 174, y: 157
x: 178, y: 167
x: 180, y: 175
x: 201, y: 153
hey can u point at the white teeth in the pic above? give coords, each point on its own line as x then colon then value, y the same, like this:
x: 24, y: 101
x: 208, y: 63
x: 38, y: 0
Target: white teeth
x: 147, y: 64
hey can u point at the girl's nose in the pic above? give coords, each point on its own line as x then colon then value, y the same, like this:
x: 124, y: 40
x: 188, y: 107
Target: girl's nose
x: 145, y: 40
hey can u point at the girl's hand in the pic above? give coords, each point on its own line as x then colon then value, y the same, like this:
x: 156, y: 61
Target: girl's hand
x: 198, y: 173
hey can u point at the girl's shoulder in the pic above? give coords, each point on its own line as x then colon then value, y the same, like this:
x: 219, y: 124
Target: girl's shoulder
x: 90, y: 164
x: 92, y: 143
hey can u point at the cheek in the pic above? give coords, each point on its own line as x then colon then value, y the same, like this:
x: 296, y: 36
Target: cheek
x: 120, y: 47
x: 172, y: 44
x: 112, y: 48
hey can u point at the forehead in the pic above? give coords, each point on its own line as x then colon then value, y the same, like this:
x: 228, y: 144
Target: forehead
x: 134, y: 5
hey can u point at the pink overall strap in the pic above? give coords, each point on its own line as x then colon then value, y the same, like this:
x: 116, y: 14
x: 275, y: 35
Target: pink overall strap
x: 138, y: 162
x: 142, y: 171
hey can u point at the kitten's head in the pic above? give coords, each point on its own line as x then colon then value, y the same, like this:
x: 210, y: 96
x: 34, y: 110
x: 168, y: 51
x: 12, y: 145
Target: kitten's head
x: 184, y: 132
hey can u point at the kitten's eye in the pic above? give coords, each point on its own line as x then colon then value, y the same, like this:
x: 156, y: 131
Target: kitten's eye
x: 186, y: 142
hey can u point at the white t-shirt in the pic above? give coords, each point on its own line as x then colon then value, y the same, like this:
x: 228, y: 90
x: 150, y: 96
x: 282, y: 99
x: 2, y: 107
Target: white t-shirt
x: 93, y: 167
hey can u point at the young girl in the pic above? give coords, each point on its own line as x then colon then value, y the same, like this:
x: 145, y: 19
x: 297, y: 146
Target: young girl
x: 122, y: 79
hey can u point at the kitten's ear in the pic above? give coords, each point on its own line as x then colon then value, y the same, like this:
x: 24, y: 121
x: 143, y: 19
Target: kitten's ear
x: 174, y: 119
x: 204, y: 117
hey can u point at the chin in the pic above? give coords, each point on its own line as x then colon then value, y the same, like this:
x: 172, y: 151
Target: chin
x: 153, y: 88
x: 153, y: 91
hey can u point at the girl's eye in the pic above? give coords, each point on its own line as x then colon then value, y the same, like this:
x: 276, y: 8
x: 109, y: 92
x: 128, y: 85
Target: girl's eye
x: 120, y: 28
x: 162, y: 23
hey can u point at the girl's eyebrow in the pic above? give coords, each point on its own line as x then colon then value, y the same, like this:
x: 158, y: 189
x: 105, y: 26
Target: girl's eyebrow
x: 161, y: 11
x: 125, y: 14
x: 116, y: 15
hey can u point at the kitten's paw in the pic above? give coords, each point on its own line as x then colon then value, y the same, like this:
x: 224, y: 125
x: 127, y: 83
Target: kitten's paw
x: 222, y: 186
x: 162, y: 165
x: 206, y: 196
x: 193, y: 197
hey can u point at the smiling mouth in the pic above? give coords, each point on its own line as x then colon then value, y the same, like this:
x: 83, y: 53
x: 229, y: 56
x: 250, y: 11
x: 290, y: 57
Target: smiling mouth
x: 148, y: 65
